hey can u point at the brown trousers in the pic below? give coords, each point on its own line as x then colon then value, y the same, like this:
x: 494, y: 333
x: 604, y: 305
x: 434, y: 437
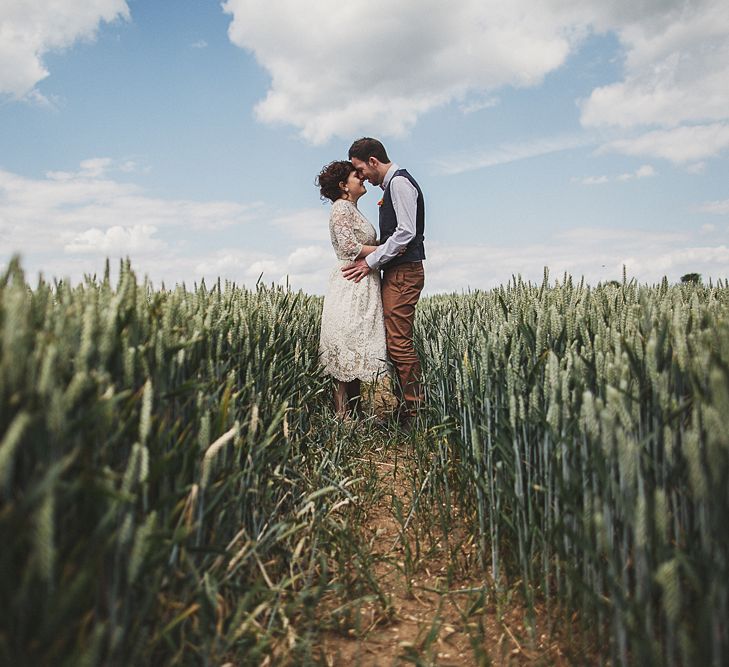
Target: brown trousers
x: 401, y: 287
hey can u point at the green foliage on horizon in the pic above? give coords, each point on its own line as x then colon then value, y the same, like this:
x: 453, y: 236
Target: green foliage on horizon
x: 691, y: 278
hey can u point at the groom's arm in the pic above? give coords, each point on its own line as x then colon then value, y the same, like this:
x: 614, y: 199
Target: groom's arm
x: 405, y: 202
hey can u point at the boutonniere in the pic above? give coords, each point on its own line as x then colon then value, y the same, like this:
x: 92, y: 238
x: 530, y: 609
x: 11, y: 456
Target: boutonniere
x: 379, y: 203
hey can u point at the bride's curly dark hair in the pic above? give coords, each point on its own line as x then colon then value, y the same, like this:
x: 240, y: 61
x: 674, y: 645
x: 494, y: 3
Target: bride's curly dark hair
x: 331, y: 176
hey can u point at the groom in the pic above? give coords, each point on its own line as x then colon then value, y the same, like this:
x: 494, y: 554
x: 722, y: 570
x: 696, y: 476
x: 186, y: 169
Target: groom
x: 400, y: 257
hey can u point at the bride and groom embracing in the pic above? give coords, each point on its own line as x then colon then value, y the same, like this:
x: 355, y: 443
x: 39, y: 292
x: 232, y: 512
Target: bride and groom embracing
x: 368, y: 320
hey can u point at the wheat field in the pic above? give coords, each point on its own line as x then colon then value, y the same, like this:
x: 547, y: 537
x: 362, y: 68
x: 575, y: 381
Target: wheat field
x: 174, y: 488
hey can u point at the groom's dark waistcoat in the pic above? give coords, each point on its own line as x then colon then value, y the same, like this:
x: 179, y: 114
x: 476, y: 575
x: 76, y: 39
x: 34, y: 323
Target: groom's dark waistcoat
x: 388, y: 222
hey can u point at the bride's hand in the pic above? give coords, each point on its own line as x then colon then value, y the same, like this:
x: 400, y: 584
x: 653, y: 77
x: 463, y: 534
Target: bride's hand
x: 356, y: 270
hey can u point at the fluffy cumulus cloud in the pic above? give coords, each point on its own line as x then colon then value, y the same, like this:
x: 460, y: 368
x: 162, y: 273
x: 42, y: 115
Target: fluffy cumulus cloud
x: 674, y: 95
x: 341, y: 70
x: 336, y: 66
x: 676, y: 65
x: 304, y: 267
x: 595, y: 254
x: 304, y: 225
x: 69, y: 219
x: 133, y: 240
x: 68, y: 222
x: 31, y: 28
x: 685, y: 144
x: 91, y: 198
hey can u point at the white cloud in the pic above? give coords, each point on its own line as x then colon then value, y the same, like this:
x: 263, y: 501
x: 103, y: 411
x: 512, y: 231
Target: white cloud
x: 95, y: 167
x: 307, y: 224
x: 309, y: 259
x: 38, y: 99
x: 464, y: 161
x: 449, y: 267
x: 589, y: 236
x: 676, y: 66
x: 696, y: 168
x: 232, y: 264
x: 644, y: 171
x: 356, y: 68
x: 596, y: 254
x: 679, y: 145
x: 128, y: 166
x: 716, y: 207
x: 199, y: 44
x: 676, y: 73
x: 116, y: 240
x: 66, y: 224
x: 306, y: 268
x: 473, y: 106
x: 75, y: 202
x: 31, y: 28
x: 406, y: 59
x: 592, y: 180
x: 87, y: 212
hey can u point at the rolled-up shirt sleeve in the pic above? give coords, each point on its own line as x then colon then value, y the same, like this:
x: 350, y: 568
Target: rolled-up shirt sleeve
x: 405, y: 202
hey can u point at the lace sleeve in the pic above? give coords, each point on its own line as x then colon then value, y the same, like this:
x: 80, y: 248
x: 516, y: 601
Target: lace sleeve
x: 341, y: 228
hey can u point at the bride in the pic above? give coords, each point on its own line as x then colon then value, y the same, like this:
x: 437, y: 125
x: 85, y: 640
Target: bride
x: 352, y: 343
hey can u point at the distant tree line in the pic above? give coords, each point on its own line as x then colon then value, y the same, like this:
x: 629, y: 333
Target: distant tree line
x: 694, y: 278
x: 691, y: 278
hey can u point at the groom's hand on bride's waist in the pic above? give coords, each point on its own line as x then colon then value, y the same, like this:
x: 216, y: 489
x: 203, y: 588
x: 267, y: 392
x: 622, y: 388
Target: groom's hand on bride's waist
x: 356, y: 270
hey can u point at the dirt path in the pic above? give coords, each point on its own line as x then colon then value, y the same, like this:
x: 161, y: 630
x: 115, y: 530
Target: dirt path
x: 437, y: 610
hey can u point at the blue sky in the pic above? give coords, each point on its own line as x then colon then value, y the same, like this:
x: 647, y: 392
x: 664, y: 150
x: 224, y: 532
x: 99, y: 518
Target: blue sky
x: 187, y: 135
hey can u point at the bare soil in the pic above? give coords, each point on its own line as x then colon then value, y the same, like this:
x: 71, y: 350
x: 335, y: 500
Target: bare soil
x: 438, y: 609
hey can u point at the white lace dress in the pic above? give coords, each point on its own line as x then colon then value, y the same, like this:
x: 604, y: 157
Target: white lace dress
x: 352, y: 343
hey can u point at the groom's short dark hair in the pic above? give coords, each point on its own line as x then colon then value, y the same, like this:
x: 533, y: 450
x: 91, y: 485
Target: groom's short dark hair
x: 367, y: 147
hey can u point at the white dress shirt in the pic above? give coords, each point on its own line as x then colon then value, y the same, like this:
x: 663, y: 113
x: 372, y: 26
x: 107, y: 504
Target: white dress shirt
x: 405, y: 201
